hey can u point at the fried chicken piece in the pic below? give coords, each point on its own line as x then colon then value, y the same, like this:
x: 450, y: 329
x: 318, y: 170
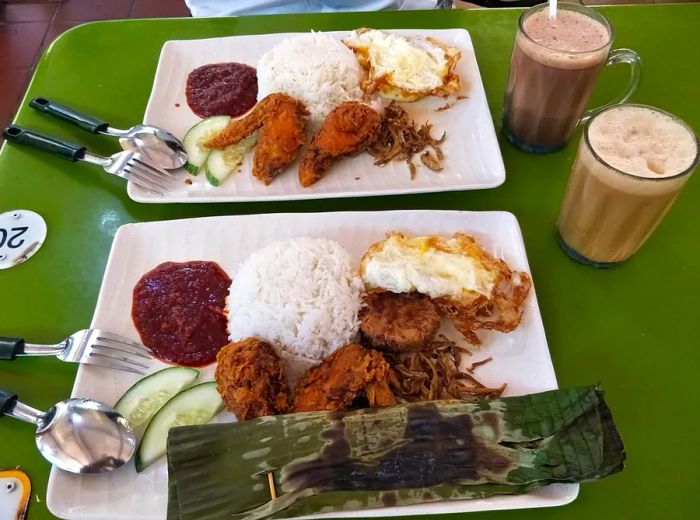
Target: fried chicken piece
x: 350, y: 372
x: 251, y: 379
x: 280, y: 119
x: 398, y: 322
x: 348, y: 129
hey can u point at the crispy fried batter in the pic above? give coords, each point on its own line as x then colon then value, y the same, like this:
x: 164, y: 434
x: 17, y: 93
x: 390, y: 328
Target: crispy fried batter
x: 348, y: 129
x: 398, y: 322
x: 351, y: 371
x: 280, y: 119
x: 502, y: 311
x: 251, y: 379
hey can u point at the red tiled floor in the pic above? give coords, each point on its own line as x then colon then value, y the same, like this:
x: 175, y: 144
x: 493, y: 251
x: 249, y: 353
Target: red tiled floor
x: 159, y: 9
x: 19, y: 44
x: 83, y: 10
x: 12, y: 85
x: 27, y: 12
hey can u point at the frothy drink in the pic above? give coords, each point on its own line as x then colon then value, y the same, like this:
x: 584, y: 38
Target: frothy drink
x: 632, y: 163
x: 554, y: 67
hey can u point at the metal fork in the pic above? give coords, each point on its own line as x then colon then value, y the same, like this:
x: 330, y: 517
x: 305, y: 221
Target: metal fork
x: 128, y: 165
x: 89, y: 346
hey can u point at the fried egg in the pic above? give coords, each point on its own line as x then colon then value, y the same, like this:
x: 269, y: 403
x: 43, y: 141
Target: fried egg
x: 454, y: 267
x: 404, y: 68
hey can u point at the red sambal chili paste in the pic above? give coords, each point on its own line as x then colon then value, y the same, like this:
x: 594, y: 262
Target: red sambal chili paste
x: 222, y: 89
x: 179, y: 311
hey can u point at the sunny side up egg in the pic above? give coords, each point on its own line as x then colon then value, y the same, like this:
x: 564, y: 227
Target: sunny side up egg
x: 404, y: 69
x: 431, y: 265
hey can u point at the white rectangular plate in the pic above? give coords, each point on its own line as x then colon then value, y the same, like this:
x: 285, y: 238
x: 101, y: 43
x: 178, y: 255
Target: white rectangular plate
x: 472, y: 156
x: 520, y: 358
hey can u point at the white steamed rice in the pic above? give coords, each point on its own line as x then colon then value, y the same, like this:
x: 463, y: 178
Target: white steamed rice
x: 302, y: 295
x: 314, y: 68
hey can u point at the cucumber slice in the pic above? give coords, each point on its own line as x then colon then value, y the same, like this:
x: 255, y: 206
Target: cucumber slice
x: 196, y: 405
x: 148, y: 395
x: 221, y: 163
x: 195, y: 137
x: 191, y: 168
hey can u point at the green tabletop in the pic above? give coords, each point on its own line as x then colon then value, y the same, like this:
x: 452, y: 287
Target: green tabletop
x: 632, y: 328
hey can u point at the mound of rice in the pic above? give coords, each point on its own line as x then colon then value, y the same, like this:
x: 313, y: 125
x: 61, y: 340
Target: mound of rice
x: 314, y: 68
x: 302, y: 295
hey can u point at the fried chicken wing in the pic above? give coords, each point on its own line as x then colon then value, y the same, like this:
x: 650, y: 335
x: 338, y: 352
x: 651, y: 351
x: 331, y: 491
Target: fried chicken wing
x: 398, y: 322
x: 348, y: 129
x: 350, y: 372
x: 281, y: 121
x: 251, y: 379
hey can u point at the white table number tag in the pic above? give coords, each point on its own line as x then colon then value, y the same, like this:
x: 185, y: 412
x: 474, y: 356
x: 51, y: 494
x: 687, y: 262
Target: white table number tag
x: 22, y: 232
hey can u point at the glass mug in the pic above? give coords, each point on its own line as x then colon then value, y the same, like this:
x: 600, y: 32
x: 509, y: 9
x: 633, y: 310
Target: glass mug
x: 553, y: 70
x: 632, y: 163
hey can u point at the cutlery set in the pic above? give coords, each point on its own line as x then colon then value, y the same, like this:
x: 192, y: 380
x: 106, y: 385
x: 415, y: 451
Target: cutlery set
x: 79, y: 435
x: 149, y: 152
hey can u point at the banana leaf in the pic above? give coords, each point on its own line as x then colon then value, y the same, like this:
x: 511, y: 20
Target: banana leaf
x: 324, y: 462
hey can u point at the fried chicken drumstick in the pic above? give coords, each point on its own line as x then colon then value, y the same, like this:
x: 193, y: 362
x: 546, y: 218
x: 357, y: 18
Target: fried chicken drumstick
x: 280, y: 119
x: 347, y: 130
x: 351, y: 371
x: 251, y: 379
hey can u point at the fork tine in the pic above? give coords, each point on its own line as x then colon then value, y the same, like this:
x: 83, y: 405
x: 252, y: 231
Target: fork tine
x: 142, y: 182
x: 107, y: 362
x: 126, y: 349
x: 155, y: 179
x: 103, y: 334
x: 166, y: 173
x: 106, y: 352
x: 153, y: 171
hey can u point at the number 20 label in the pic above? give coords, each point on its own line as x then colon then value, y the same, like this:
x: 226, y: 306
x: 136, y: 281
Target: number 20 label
x: 22, y: 232
x: 12, y: 236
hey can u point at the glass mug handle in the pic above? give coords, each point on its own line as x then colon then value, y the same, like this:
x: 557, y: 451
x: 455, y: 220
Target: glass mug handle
x: 635, y: 63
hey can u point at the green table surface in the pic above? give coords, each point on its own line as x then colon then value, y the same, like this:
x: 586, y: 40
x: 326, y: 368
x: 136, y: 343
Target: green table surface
x: 632, y: 328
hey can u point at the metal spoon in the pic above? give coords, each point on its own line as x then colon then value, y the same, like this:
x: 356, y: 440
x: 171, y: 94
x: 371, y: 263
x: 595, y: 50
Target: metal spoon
x: 77, y: 435
x: 158, y: 146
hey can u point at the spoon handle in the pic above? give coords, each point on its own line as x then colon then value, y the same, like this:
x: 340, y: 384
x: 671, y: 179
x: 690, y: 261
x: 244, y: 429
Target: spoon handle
x: 10, y: 405
x: 84, y: 121
x: 7, y: 401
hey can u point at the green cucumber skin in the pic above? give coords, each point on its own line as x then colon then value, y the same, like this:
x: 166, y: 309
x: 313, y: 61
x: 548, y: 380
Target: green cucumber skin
x: 191, y: 141
x: 138, y: 459
x: 165, y: 374
x: 212, y: 180
x: 191, y: 169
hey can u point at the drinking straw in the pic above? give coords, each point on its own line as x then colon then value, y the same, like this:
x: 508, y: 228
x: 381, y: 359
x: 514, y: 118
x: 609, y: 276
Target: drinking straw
x: 552, y: 9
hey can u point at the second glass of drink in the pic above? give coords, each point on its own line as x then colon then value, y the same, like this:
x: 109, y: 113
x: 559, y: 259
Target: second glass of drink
x: 553, y: 70
x: 632, y: 163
